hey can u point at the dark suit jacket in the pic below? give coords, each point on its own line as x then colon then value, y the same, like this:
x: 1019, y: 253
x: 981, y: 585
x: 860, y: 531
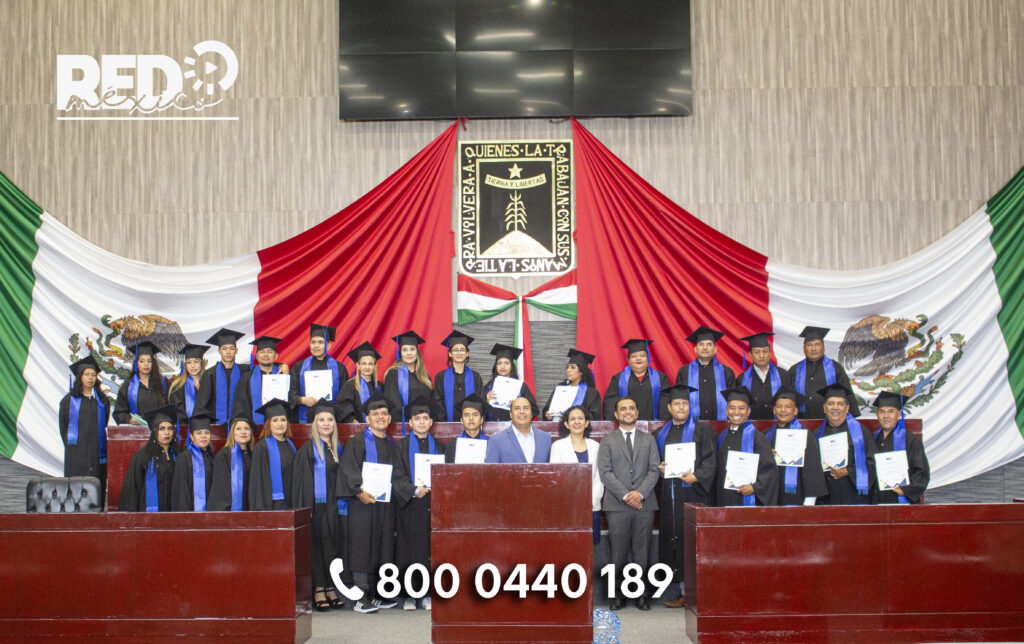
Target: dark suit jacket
x: 620, y: 476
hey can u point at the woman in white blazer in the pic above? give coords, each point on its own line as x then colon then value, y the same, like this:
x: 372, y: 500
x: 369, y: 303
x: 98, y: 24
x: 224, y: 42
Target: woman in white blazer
x: 578, y: 447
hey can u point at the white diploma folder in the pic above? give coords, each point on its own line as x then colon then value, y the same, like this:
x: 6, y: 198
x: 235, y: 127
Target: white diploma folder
x: 423, y: 463
x: 377, y: 480
x: 680, y: 458
x: 470, y: 450
x: 790, y: 445
x: 319, y: 384
x: 275, y: 385
x: 892, y: 469
x: 562, y: 399
x: 834, y: 450
x: 505, y: 390
x: 740, y: 469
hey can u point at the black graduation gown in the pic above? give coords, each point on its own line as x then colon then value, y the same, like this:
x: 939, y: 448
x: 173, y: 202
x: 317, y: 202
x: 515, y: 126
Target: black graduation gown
x: 811, y: 479
x: 133, y: 491
x: 325, y: 523
x: 708, y: 389
x: 917, y: 469
x: 503, y: 415
x: 348, y: 408
x: 640, y: 391
x: 412, y: 544
x: 147, y: 400
x: 317, y: 364
x: 591, y: 402
x: 177, y: 398
x: 243, y: 394
x: 261, y: 488
x: 182, y: 487
x: 219, y: 498
x: 766, y: 488
x: 844, y: 491
x: 673, y: 495
x: 83, y: 458
x: 459, y: 393
x: 206, y: 397
x: 761, y: 406
x: 814, y: 379
x: 416, y: 388
x: 449, y: 447
x: 371, y: 527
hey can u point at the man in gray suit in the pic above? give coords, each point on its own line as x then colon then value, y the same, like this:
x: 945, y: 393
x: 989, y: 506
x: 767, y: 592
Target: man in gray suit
x: 627, y: 461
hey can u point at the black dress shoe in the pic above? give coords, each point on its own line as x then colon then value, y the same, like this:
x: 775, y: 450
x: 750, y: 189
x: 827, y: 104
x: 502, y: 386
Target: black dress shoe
x: 615, y: 604
x: 642, y: 604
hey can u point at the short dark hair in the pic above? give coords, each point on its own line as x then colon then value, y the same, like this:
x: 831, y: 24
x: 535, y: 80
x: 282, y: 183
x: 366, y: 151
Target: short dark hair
x: 621, y: 398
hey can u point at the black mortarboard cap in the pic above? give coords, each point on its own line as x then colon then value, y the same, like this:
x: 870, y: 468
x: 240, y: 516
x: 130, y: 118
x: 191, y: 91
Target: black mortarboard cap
x: 321, y: 331
x: 200, y: 420
x: 472, y: 400
x: 738, y: 392
x: 146, y: 348
x: 194, y: 350
x: 409, y: 337
x: 677, y: 391
x: 266, y: 342
x: 758, y: 339
x: 88, y: 362
x: 637, y: 344
x: 274, y: 407
x: 457, y: 337
x: 375, y: 401
x: 834, y: 391
x: 242, y: 416
x: 580, y: 358
x: 704, y: 333
x: 813, y: 333
x: 889, y: 399
x: 320, y: 406
x: 505, y: 351
x: 785, y: 391
x: 364, y: 349
x: 224, y: 336
x: 419, y: 405
x: 167, y: 413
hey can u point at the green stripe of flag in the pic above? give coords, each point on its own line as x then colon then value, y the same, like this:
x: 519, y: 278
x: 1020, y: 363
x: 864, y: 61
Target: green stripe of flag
x: 468, y: 316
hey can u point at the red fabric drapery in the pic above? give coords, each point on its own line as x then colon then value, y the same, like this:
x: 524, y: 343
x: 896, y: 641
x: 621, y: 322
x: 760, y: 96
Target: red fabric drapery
x: 649, y: 269
x: 379, y: 267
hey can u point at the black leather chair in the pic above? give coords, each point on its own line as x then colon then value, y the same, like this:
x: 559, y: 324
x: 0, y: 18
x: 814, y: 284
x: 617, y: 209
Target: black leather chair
x: 64, y: 494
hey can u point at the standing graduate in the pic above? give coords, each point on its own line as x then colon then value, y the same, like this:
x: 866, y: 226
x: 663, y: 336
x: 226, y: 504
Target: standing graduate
x: 696, y: 486
x: 144, y: 389
x: 407, y: 378
x: 320, y: 338
x: 578, y: 374
x: 505, y: 365
x: 371, y: 521
x: 314, y: 485
x: 638, y: 381
x: 249, y: 394
x: 231, y: 466
x: 270, y: 480
x: 82, y: 420
x: 742, y: 436
x: 184, y: 390
x: 219, y: 383
x: 797, y: 485
x: 456, y: 382
x: 576, y: 446
x: 471, y: 415
x: 817, y: 371
x: 356, y: 390
x: 762, y: 378
x: 193, y: 473
x: 150, y: 473
x: 707, y: 374
x: 854, y: 483
x: 894, y: 437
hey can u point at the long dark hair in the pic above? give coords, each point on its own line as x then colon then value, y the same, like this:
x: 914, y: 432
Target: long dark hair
x: 563, y: 425
x: 76, y: 389
x: 494, y: 369
x: 159, y: 386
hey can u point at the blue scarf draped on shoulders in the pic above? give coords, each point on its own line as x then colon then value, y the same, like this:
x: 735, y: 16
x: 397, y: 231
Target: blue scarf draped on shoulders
x: 746, y: 445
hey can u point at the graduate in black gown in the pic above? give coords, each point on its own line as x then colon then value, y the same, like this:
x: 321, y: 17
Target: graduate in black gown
x: 762, y: 378
x: 696, y: 486
x: 741, y: 436
x: 457, y: 381
x: 371, y: 521
x: 249, y: 393
x: 186, y: 494
x: 411, y: 496
x: 270, y: 480
x: 407, y: 379
x: 815, y: 372
x: 143, y: 391
x: 471, y: 415
x: 314, y: 485
x: 219, y: 384
x: 231, y: 467
x: 184, y: 390
x: 638, y: 381
x: 505, y: 365
x: 707, y: 374
x: 797, y: 485
x: 854, y: 482
x: 82, y: 419
x: 578, y: 374
x: 893, y: 436
x: 150, y: 473
x: 320, y: 338
x: 356, y: 390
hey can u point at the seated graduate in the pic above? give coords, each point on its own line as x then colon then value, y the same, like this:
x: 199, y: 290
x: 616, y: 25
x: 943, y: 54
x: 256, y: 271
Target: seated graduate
x: 853, y: 482
x: 816, y: 371
x: 371, y: 520
x: 314, y: 485
x: 638, y: 381
x: 505, y: 365
x: 696, y: 486
x: 82, y: 420
x: 273, y: 457
x: 150, y: 473
x: 249, y: 394
x: 407, y: 378
x: 456, y: 382
x: 797, y: 485
x: 356, y: 390
x: 231, y: 466
x: 471, y: 414
x: 320, y: 338
x: 578, y: 374
x: 412, y: 495
x: 144, y: 389
x: 762, y: 378
x: 520, y: 442
x: 742, y: 436
x: 894, y: 437
x: 707, y: 374
x: 184, y: 390
x: 576, y: 446
x: 195, y: 465
x: 218, y: 385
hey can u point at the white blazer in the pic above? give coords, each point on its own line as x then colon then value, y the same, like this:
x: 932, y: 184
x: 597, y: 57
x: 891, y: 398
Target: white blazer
x: 562, y: 452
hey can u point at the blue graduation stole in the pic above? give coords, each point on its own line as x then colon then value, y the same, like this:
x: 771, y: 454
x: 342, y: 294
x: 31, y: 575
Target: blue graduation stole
x: 320, y: 474
x: 481, y: 436
x: 581, y: 393
x: 198, y: 478
x: 276, y: 484
x: 237, y: 476
x: 101, y: 422
x: 363, y: 390
x: 791, y: 472
x: 747, y: 379
x: 414, y: 448
x: 403, y: 393
x: 190, y: 396
x: 152, y: 491
x: 655, y: 378
x: 256, y: 392
x: 899, y: 442
x: 693, y: 375
x: 857, y: 438
x: 801, y: 375
x: 133, y: 394
x: 225, y: 394
x: 687, y: 437
x: 468, y: 379
x: 371, y: 445
x: 332, y: 365
x: 746, y: 445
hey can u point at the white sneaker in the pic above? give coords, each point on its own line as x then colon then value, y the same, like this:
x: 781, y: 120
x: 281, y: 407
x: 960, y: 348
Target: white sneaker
x: 426, y: 602
x: 409, y: 604
x: 364, y: 607
x: 385, y: 603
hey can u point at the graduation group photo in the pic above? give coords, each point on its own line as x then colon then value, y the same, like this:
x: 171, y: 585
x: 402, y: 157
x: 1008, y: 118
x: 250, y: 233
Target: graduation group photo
x: 512, y: 321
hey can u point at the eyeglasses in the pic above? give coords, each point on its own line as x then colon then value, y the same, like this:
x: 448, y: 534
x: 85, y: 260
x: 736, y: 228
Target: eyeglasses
x: 460, y: 351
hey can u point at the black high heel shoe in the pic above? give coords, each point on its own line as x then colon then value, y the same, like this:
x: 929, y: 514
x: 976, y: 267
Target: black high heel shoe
x: 337, y: 603
x: 321, y: 606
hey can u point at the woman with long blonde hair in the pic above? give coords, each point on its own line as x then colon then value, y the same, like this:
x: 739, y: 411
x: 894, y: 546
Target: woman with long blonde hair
x: 184, y: 389
x: 407, y: 379
x: 231, y: 468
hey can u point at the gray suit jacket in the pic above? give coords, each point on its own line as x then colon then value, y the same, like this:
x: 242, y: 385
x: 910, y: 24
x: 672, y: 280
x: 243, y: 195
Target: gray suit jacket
x: 621, y: 477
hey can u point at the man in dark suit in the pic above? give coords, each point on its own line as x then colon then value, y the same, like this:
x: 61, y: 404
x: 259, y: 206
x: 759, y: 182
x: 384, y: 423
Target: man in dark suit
x: 627, y: 461
x: 520, y: 442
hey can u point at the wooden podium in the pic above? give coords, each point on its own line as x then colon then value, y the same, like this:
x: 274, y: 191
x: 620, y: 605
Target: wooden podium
x: 505, y: 515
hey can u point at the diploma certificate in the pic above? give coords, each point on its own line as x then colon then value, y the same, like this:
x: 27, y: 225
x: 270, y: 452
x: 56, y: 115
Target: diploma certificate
x: 834, y: 450
x: 740, y: 469
x: 790, y: 445
x: 679, y: 459
x: 505, y: 390
x: 319, y: 384
x: 377, y: 480
x: 275, y: 385
x: 423, y: 463
x: 892, y: 469
x: 470, y: 450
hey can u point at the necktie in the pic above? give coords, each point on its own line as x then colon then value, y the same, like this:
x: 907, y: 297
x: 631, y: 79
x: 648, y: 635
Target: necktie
x: 629, y: 444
